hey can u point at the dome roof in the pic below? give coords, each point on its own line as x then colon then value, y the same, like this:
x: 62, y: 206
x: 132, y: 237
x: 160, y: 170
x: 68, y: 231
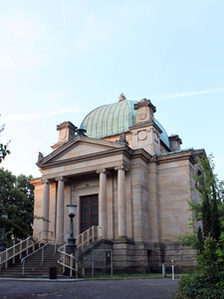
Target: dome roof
x: 113, y: 119
x: 110, y: 119
x: 163, y: 136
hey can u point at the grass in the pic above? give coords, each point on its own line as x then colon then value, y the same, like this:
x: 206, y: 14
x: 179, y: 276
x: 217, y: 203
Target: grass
x: 127, y: 276
x: 134, y: 276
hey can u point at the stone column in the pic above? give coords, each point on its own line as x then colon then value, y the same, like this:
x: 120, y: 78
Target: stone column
x: 102, y: 201
x: 121, y: 202
x: 45, y: 208
x: 129, y: 208
x: 60, y: 211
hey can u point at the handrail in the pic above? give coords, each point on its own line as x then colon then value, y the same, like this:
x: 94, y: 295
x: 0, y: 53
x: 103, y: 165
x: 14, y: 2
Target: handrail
x: 70, y: 259
x: 35, y: 251
x: 89, y: 236
x: 82, y: 241
x: 24, y: 245
x: 40, y: 248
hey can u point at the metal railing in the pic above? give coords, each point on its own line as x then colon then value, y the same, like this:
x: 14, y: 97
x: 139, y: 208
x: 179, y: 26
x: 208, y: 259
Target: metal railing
x: 82, y: 241
x: 67, y: 260
x: 24, y: 246
x: 35, y: 251
x: 89, y: 236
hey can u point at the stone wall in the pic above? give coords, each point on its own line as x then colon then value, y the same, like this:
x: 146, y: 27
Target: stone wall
x: 174, y: 192
x: 137, y: 257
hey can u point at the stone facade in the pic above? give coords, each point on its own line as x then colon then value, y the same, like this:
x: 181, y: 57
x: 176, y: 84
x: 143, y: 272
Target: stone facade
x: 140, y: 188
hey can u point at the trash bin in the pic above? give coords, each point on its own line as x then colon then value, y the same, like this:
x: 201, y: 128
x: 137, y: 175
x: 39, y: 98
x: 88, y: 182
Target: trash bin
x: 53, y: 272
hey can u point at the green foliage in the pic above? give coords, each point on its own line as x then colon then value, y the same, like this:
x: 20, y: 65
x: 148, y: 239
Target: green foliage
x: 3, y: 151
x: 198, y: 286
x: 16, y: 199
x: 189, y: 240
x: 3, y: 148
x: 207, y: 281
x: 210, y: 209
x: 211, y: 259
x: 216, y: 219
x: 196, y: 208
x: 206, y: 216
x: 200, y: 240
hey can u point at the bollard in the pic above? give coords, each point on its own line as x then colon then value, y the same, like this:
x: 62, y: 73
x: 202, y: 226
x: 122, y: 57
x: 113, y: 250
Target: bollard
x: 172, y: 263
x: 163, y: 270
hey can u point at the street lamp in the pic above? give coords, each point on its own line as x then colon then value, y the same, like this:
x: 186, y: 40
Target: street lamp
x: 71, y: 240
x: 3, y: 243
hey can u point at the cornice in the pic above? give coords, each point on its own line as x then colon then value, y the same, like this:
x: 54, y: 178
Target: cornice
x: 67, y: 145
x: 180, y: 156
x: 125, y: 150
x: 36, y: 181
x: 142, y: 154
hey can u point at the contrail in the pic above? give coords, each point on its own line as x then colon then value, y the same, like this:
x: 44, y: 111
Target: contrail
x: 31, y: 116
x: 189, y: 94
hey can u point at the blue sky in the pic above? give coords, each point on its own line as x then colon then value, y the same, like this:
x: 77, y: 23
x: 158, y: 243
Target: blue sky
x: 59, y: 59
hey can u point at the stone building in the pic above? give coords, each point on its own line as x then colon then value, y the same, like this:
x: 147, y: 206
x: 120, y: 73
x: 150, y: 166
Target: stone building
x: 126, y: 176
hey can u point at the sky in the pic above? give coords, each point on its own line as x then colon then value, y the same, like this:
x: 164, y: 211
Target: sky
x: 60, y: 59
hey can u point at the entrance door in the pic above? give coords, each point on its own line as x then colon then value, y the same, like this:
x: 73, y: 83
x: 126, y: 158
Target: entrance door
x: 88, y: 212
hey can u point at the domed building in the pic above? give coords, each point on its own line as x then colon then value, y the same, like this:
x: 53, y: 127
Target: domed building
x: 130, y: 183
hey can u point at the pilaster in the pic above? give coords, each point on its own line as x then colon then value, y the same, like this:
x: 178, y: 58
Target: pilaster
x: 60, y: 211
x: 45, y: 208
x: 102, y: 200
x: 122, y: 230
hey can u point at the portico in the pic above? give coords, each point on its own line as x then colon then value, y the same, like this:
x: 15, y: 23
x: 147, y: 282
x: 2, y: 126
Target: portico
x: 107, y: 184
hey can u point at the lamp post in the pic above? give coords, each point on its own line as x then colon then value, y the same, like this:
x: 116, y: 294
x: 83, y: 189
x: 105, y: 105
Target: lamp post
x: 71, y: 246
x: 3, y: 243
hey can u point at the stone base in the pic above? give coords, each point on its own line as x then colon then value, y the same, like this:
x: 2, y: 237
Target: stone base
x: 183, y: 257
x: 137, y: 257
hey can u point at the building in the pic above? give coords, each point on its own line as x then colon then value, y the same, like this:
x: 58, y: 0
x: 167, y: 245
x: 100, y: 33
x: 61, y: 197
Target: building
x: 126, y: 176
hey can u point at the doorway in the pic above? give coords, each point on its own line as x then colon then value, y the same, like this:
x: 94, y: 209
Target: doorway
x: 88, y: 212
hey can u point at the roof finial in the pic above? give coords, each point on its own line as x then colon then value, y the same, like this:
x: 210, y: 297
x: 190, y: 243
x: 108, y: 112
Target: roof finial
x: 122, y: 97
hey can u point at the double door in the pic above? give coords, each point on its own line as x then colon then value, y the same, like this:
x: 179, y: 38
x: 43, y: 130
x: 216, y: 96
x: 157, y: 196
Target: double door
x: 88, y: 212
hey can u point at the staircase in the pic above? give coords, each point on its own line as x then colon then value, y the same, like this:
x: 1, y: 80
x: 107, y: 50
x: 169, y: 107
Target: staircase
x: 34, y: 267
x: 37, y: 262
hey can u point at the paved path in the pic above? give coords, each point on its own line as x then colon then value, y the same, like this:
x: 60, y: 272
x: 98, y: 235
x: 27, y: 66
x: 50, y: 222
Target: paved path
x: 82, y: 289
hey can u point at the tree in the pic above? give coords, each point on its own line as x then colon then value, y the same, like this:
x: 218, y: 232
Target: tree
x: 16, y: 199
x: 3, y: 147
x: 207, y: 281
x: 209, y: 187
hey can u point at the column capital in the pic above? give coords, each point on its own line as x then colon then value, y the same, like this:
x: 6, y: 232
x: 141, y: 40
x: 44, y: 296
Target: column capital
x: 45, y: 181
x: 61, y: 178
x: 101, y: 170
x: 122, y: 167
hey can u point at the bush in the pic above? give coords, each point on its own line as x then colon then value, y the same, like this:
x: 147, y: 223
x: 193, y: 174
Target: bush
x: 198, y: 285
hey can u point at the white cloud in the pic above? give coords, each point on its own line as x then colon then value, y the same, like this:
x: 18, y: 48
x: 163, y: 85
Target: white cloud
x: 189, y: 94
x: 31, y: 116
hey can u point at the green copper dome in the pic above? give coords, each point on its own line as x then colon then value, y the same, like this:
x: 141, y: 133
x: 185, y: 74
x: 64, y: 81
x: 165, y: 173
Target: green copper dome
x: 113, y: 119
x: 110, y: 119
x: 163, y: 136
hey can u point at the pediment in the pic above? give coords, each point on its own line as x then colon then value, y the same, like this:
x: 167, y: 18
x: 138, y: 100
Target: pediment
x: 79, y: 147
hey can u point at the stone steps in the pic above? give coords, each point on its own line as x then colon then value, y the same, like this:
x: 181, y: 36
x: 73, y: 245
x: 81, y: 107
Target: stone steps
x: 34, y: 268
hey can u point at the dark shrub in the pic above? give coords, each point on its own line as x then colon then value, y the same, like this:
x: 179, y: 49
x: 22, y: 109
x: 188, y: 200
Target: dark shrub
x: 198, y: 285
